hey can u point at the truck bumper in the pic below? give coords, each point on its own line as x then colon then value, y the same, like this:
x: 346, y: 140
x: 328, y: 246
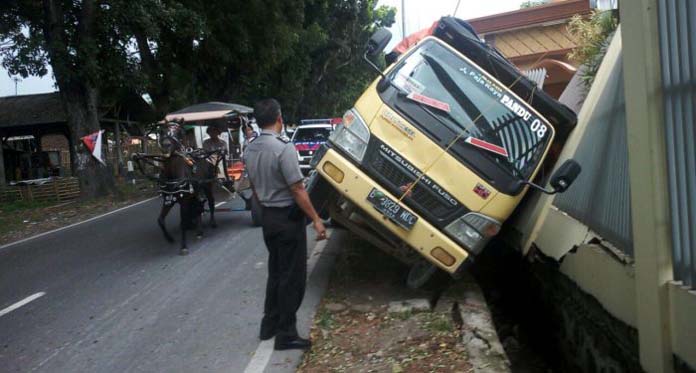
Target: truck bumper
x: 424, y: 238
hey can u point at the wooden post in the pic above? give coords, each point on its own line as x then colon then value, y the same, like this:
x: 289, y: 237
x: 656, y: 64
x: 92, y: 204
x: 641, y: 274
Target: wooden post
x: 647, y: 158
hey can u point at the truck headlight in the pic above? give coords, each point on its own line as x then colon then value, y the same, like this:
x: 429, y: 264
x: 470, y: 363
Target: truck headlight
x: 352, y: 135
x: 473, y: 231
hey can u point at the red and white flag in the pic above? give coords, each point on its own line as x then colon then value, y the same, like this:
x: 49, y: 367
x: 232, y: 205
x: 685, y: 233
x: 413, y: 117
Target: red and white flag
x: 93, y: 142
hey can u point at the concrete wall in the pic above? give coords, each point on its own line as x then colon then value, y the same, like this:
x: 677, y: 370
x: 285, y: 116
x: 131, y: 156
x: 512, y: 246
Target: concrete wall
x: 683, y: 326
x: 592, y: 294
x: 611, y: 316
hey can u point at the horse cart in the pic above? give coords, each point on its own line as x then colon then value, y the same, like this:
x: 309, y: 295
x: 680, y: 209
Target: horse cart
x: 200, y: 146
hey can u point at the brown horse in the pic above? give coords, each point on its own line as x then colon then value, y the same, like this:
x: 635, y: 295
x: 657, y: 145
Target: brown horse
x: 184, y: 179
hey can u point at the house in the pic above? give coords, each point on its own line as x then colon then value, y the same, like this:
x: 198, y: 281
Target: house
x: 36, y: 139
x: 536, y: 38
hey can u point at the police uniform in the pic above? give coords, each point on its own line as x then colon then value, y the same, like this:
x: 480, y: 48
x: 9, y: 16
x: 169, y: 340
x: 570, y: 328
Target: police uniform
x: 272, y: 165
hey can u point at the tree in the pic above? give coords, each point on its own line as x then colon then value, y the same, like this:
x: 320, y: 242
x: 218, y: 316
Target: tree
x: 66, y: 34
x: 339, y: 75
x: 305, y: 53
x: 592, y: 35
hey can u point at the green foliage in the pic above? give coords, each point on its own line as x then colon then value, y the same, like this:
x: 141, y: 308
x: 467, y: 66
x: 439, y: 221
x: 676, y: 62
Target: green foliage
x: 307, y: 53
x: 440, y: 323
x: 325, y: 320
x: 592, y: 36
x: 19, y: 206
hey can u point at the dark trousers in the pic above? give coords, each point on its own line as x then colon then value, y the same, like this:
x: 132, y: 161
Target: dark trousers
x: 286, y: 241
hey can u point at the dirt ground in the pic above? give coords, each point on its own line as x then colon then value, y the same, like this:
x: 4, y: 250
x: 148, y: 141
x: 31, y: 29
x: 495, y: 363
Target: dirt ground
x: 354, y: 332
x: 19, y: 220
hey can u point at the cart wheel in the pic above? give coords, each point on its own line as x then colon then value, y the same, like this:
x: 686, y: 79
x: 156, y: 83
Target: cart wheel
x: 256, y: 212
x: 420, y: 273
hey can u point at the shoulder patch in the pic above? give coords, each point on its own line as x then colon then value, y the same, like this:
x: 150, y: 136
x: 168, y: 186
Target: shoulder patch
x: 283, y: 139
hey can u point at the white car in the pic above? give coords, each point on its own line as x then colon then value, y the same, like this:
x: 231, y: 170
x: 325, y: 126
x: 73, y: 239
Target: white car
x: 307, y: 139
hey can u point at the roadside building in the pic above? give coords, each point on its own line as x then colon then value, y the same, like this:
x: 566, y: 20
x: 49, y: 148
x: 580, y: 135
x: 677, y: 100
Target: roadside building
x: 536, y: 40
x: 35, y: 136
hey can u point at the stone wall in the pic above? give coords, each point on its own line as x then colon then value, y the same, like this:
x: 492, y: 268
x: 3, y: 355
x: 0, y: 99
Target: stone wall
x: 554, y: 316
x: 590, y: 339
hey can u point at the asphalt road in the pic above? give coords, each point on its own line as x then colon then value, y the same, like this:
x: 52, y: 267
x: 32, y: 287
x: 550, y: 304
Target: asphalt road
x: 119, y: 298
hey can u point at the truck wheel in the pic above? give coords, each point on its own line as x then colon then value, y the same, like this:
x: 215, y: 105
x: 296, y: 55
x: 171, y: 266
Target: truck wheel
x: 256, y: 212
x: 420, y: 273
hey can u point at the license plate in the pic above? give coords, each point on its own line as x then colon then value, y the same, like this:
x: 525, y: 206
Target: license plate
x: 391, y: 209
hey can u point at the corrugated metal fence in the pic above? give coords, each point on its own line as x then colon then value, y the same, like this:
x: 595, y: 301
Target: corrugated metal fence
x: 677, y: 24
x: 600, y: 197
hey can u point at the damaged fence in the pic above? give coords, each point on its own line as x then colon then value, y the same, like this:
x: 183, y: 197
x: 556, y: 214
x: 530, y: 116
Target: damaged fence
x: 55, y: 189
x: 600, y: 197
x: 678, y: 54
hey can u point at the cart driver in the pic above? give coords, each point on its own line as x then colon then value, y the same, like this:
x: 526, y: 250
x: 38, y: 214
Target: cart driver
x: 214, y: 143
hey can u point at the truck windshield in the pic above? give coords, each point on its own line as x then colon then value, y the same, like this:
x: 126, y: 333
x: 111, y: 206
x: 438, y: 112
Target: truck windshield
x: 479, y: 110
x: 312, y: 134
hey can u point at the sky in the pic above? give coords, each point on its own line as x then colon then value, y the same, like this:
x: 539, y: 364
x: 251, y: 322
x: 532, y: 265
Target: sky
x: 422, y: 13
x: 419, y: 15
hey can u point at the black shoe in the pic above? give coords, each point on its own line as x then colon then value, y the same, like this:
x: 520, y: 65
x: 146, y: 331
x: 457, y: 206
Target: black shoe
x: 292, y: 343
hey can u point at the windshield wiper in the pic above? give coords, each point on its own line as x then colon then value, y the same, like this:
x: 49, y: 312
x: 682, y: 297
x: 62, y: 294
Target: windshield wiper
x: 448, y: 82
x: 506, y: 164
x: 439, y: 116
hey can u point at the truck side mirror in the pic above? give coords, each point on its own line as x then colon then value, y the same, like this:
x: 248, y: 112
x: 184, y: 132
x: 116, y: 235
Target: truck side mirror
x: 378, y: 42
x: 565, y: 176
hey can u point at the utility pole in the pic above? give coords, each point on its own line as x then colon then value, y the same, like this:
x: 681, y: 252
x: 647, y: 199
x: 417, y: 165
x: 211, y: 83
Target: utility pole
x: 459, y: 2
x: 16, y: 81
x: 403, y: 19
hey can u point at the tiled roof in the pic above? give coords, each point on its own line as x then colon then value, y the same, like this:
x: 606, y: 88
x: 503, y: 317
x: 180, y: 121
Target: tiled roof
x: 27, y: 110
x: 538, y: 15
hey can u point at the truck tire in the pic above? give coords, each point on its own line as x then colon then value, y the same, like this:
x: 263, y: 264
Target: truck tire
x: 420, y: 274
x: 256, y: 212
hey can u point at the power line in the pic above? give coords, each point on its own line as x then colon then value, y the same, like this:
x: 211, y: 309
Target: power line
x: 403, y: 19
x: 456, y: 8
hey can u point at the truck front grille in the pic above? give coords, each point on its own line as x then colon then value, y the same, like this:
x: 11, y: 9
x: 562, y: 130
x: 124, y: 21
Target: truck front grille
x: 394, y: 176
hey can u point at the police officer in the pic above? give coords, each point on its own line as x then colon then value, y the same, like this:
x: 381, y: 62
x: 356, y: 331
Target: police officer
x: 274, y: 171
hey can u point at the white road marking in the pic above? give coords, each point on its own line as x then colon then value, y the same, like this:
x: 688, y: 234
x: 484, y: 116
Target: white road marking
x: 75, y: 224
x: 263, y: 353
x: 21, y: 303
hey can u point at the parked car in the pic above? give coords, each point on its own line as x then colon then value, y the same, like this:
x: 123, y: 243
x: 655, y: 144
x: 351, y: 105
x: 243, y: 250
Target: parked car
x: 309, y: 136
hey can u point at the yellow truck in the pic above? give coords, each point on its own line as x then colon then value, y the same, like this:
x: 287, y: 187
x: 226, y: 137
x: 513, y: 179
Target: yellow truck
x: 440, y: 150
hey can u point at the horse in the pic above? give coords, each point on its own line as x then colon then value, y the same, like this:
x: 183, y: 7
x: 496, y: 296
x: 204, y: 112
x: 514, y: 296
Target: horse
x: 184, y: 179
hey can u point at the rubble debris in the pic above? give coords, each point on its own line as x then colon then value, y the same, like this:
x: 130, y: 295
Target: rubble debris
x: 409, y: 306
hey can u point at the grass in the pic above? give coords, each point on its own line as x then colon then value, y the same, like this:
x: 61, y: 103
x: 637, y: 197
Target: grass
x: 403, y: 315
x: 325, y: 320
x: 19, y: 206
x: 20, y: 219
x: 13, y: 214
x: 440, y: 324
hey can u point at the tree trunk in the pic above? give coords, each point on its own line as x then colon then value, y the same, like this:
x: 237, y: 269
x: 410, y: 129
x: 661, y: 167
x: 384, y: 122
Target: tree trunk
x: 118, y: 159
x: 2, y: 168
x: 76, y: 83
x: 83, y: 118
